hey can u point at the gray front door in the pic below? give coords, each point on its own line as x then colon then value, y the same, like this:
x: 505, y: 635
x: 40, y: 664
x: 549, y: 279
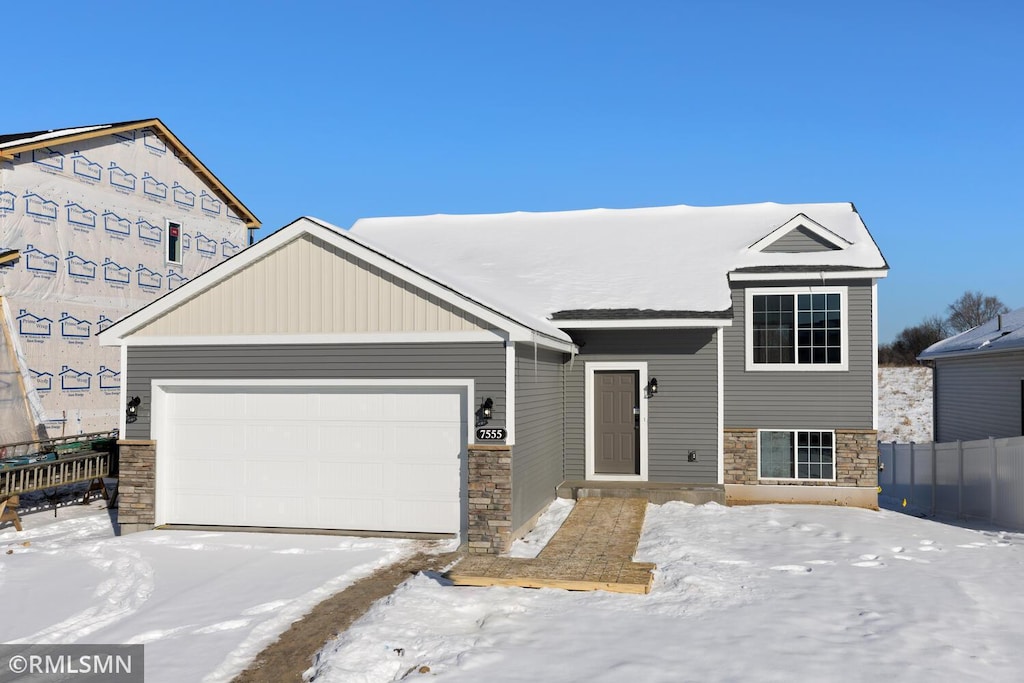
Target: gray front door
x: 617, y: 422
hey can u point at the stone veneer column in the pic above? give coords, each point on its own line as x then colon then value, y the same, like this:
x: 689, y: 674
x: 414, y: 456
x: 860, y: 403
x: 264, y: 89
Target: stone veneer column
x: 740, y: 456
x: 490, y: 498
x: 136, y: 485
x: 857, y: 457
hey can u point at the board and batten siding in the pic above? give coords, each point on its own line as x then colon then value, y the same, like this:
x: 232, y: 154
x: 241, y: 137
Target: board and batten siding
x: 482, y: 362
x: 801, y: 399
x: 978, y: 396
x: 537, y: 454
x: 310, y: 287
x: 682, y: 417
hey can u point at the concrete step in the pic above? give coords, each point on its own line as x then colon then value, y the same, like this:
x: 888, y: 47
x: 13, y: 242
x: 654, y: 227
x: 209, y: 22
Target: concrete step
x: 654, y: 492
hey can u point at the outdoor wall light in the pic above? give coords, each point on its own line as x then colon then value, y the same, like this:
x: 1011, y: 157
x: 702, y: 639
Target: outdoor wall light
x: 652, y: 387
x: 131, y: 413
x: 484, y: 412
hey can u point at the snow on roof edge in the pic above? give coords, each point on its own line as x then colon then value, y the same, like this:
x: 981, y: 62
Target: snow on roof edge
x: 1001, y: 333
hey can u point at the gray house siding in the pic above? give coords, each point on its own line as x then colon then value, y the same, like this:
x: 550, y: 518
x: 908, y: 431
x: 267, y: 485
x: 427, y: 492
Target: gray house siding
x: 799, y: 240
x: 978, y: 396
x: 801, y: 399
x: 537, y: 454
x: 482, y: 362
x: 682, y: 417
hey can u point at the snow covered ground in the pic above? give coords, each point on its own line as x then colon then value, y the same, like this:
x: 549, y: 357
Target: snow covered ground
x: 203, y: 603
x: 905, y: 404
x: 758, y: 593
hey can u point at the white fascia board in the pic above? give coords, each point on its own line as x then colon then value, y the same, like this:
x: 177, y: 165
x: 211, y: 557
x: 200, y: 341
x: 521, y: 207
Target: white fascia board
x: 510, y: 394
x: 801, y: 219
x: 645, y: 324
x: 784, y: 276
x: 296, y: 339
x: 874, y: 355
x: 982, y: 351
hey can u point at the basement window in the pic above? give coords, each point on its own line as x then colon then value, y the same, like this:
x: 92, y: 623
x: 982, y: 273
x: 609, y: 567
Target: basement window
x: 796, y: 454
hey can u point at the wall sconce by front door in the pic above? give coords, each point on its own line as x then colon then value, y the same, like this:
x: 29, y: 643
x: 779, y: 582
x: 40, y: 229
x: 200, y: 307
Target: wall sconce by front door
x: 484, y: 412
x: 652, y: 388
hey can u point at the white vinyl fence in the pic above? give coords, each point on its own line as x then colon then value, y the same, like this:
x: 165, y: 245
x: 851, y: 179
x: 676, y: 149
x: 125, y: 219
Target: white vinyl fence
x: 966, y: 479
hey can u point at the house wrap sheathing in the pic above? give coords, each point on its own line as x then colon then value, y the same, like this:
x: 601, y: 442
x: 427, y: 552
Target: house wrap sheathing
x: 85, y: 218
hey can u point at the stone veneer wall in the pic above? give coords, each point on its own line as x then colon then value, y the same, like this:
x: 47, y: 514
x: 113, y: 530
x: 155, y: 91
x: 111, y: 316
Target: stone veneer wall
x: 490, y: 498
x: 136, y: 485
x: 856, y: 459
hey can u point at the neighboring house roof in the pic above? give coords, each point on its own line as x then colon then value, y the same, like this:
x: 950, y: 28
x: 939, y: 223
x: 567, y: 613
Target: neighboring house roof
x: 1003, y: 333
x: 629, y: 263
x: 15, y: 143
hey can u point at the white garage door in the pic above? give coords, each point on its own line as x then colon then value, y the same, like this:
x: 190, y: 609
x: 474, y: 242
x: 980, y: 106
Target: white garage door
x: 366, y: 458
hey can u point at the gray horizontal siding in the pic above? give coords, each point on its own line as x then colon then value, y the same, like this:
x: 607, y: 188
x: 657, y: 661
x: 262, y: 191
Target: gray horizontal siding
x: 804, y: 399
x: 682, y: 417
x: 799, y: 240
x: 484, y: 363
x: 976, y: 398
x: 537, y: 455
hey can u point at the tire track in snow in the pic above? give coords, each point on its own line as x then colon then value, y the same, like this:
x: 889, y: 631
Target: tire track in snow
x: 117, y: 597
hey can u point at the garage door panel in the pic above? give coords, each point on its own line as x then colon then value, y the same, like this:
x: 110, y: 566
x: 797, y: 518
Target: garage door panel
x: 197, y: 508
x: 411, y: 514
x: 387, y: 459
x: 272, y: 437
x: 280, y: 511
x: 207, y: 436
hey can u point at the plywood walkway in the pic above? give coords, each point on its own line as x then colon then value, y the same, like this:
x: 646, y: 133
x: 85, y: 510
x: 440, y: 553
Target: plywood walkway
x: 592, y: 551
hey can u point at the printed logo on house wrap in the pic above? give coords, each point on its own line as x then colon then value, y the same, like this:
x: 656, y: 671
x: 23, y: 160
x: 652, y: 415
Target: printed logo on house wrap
x: 72, y: 663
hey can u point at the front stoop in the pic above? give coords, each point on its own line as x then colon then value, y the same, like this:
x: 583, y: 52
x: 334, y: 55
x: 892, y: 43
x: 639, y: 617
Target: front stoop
x: 592, y: 550
x: 654, y: 492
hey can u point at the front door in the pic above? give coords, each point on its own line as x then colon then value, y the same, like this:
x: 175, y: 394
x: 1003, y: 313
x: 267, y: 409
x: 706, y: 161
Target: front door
x: 617, y: 422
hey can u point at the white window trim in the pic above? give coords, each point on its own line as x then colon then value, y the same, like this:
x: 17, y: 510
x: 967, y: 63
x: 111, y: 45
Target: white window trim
x: 835, y: 457
x: 167, y: 242
x: 588, y: 411
x: 748, y: 325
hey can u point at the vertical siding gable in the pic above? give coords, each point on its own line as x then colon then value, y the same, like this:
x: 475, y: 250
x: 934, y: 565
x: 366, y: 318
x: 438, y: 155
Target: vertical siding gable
x: 311, y: 287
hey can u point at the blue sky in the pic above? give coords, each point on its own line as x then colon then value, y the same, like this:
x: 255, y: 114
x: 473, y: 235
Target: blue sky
x: 913, y: 110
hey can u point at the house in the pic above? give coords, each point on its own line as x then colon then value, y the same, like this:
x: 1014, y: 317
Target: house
x: 90, y: 198
x: 450, y: 373
x: 978, y: 381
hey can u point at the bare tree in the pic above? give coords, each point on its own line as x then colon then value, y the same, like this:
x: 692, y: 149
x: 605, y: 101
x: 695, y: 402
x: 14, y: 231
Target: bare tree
x: 912, y: 341
x: 973, y: 309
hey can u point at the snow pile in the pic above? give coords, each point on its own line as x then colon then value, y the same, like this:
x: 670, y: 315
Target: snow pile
x: 905, y: 404
x: 757, y: 593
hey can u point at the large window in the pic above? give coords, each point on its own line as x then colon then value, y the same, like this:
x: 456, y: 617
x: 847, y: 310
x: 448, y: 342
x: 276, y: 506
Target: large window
x: 796, y: 328
x: 796, y: 454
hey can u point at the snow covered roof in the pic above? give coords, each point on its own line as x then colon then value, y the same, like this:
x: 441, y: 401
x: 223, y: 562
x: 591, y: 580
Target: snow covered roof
x: 643, y: 261
x: 1002, y: 333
